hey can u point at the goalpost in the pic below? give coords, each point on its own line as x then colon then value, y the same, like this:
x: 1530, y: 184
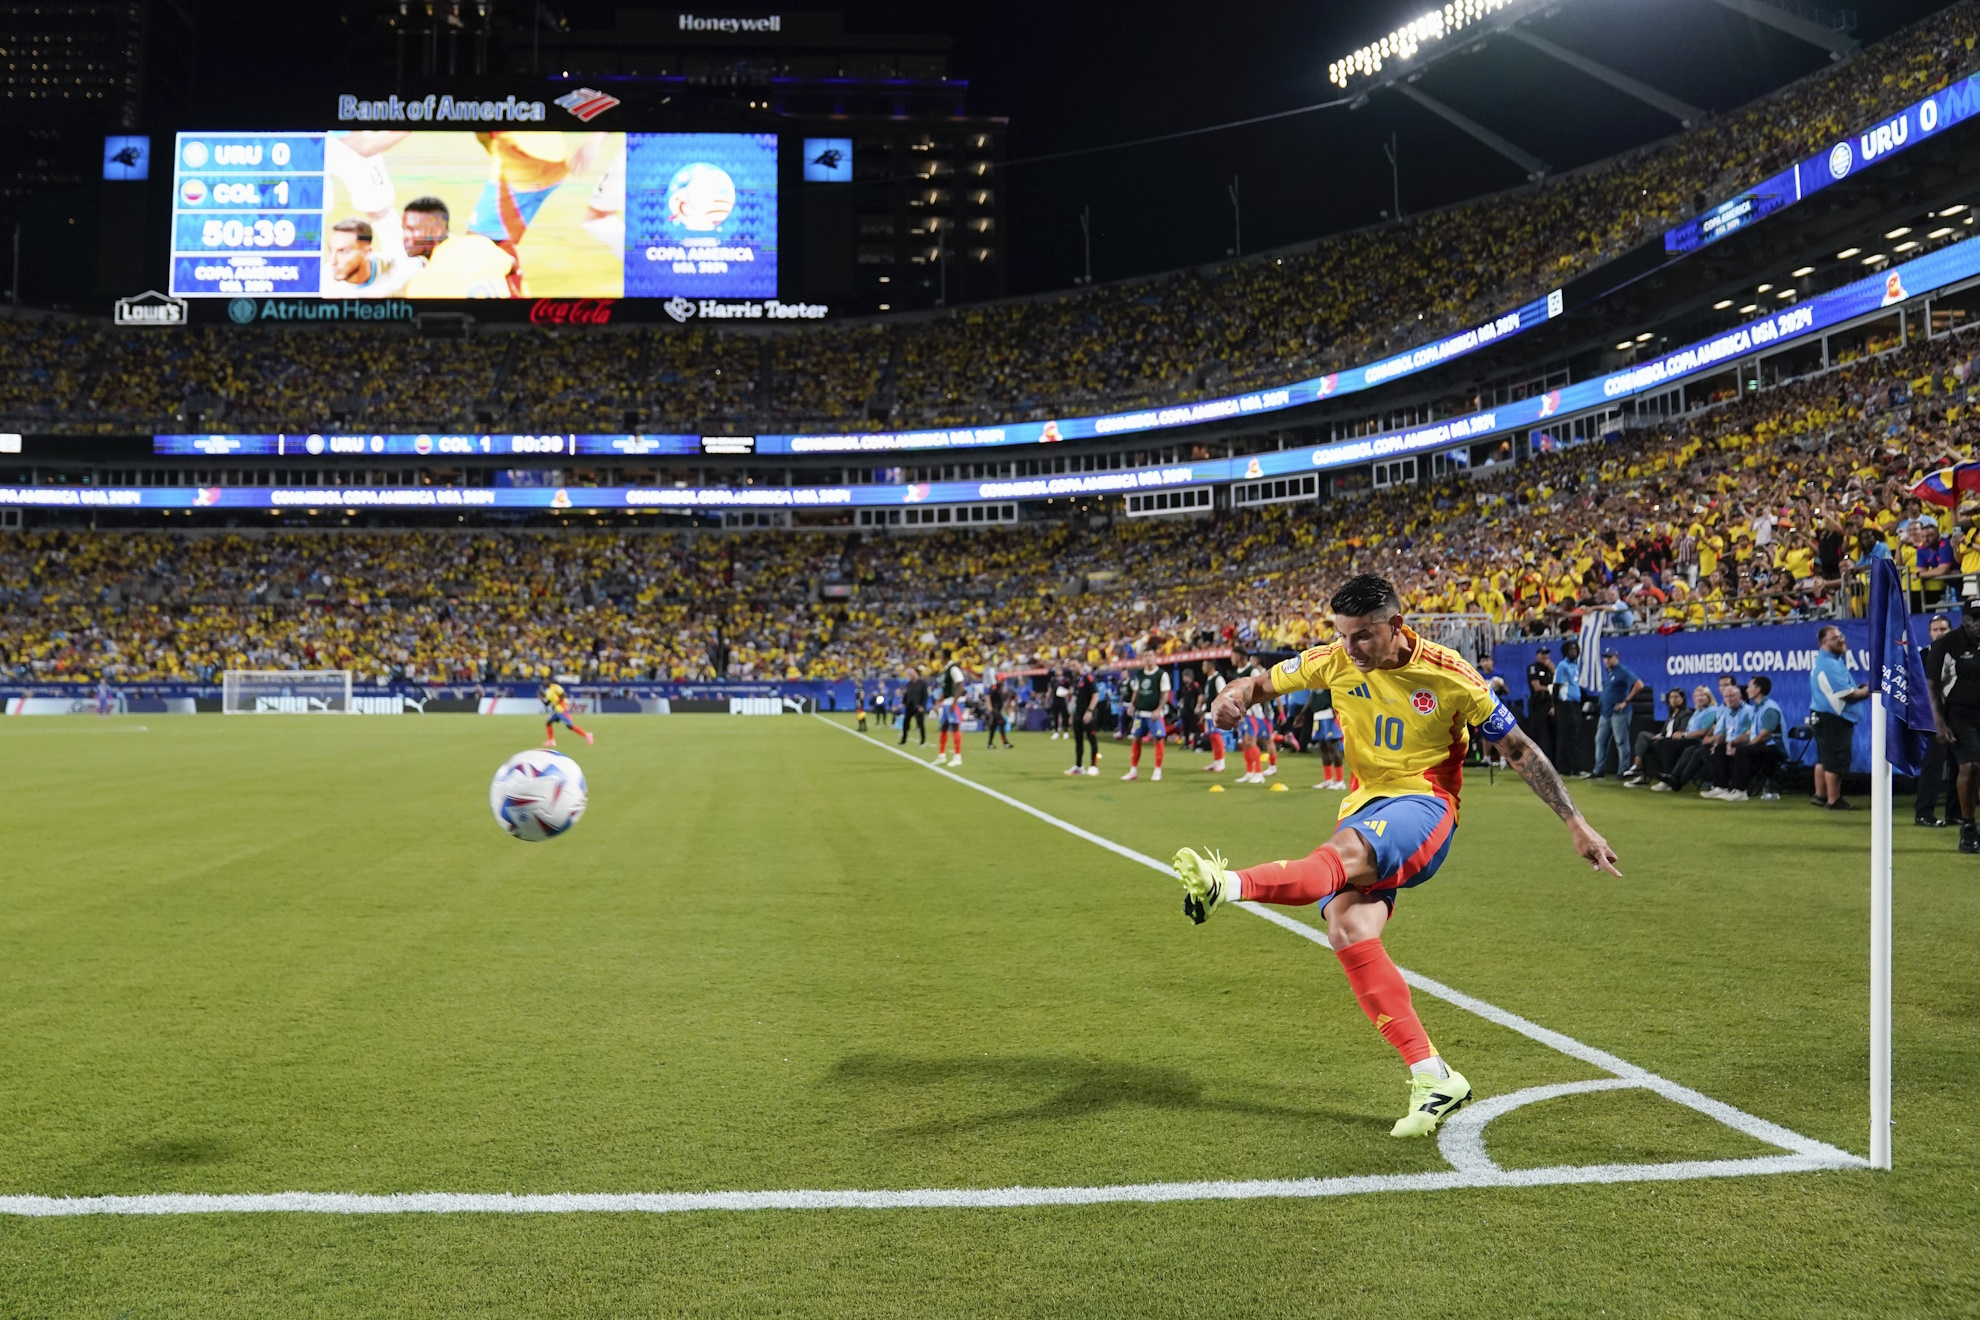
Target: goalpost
x: 286, y: 692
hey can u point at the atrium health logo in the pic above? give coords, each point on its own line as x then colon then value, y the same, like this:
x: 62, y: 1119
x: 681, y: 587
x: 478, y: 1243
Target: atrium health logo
x: 678, y: 307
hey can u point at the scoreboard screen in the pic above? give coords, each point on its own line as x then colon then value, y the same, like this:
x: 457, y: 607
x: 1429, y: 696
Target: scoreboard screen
x: 505, y: 214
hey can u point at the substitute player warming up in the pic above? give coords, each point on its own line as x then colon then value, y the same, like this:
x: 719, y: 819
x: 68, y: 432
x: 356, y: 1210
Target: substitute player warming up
x: 557, y: 710
x: 1406, y: 707
x: 1148, y: 687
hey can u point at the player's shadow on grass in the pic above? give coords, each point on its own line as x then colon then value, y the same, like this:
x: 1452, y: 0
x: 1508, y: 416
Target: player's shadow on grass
x: 1077, y: 1088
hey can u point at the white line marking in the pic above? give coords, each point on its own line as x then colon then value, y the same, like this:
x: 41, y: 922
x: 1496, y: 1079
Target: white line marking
x: 1461, y: 1137
x: 1461, y: 1142
x: 927, y: 1198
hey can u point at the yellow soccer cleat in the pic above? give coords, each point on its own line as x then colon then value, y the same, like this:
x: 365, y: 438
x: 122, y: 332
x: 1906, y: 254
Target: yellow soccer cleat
x: 1207, y: 885
x: 1431, y: 1101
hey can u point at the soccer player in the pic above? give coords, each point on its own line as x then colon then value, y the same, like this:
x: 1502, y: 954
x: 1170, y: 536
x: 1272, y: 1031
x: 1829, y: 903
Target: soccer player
x: 859, y: 704
x: 949, y: 709
x: 1148, y: 692
x: 1407, y: 706
x: 524, y: 169
x: 557, y: 710
x: 1254, y: 727
x: 444, y: 264
x: 1213, y: 683
x: 1327, y: 736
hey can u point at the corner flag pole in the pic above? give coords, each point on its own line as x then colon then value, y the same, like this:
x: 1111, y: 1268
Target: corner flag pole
x: 1880, y: 936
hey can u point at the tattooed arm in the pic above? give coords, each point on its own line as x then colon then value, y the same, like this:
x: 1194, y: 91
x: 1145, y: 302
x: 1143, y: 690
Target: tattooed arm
x: 1531, y: 763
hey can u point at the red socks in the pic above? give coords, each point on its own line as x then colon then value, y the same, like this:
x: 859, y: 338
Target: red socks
x: 1158, y: 753
x: 1383, y: 996
x: 1216, y: 746
x: 1134, y: 755
x: 1313, y: 877
x: 1253, y: 762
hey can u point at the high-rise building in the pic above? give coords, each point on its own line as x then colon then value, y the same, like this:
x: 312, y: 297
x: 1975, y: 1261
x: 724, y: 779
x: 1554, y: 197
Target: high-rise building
x: 73, y: 74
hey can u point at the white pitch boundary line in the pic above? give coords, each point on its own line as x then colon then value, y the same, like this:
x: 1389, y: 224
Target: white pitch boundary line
x: 1739, y: 1120
x: 1461, y: 1141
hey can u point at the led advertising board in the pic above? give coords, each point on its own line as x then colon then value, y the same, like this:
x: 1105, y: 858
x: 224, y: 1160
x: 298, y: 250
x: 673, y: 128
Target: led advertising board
x: 510, y: 213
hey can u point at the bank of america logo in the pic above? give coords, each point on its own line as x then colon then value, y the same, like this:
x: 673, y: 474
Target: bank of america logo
x: 586, y: 104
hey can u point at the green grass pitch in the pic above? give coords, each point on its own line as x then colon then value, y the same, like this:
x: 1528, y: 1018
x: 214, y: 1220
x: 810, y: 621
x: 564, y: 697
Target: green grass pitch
x: 295, y: 954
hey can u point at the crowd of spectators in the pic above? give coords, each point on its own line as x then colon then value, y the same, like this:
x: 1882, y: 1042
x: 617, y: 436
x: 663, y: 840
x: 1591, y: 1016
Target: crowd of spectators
x: 1321, y: 306
x: 1761, y: 509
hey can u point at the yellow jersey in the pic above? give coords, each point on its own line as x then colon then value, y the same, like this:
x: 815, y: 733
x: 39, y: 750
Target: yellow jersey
x: 1404, y: 731
x: 554, y: 698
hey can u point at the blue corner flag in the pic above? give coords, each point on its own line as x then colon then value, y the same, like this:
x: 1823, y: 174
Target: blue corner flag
x: 1900, y: 672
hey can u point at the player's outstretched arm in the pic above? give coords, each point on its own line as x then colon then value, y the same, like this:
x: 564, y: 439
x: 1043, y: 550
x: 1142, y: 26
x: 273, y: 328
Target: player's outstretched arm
x: 1532, y: 765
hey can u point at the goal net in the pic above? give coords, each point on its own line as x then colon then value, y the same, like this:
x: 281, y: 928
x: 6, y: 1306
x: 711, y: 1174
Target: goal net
x: 286, y: 692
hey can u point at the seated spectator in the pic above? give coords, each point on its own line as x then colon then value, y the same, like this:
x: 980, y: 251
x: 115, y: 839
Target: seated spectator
x: 1755, y: 748
x: 1676, y: 718
x: 1677, y: 758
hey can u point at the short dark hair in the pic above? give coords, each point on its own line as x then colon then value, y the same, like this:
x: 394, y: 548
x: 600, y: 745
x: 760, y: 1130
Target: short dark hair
x: 362, y: 228
x: 1366, y: 594
x: 430, y: 205
x: 1766, y: 684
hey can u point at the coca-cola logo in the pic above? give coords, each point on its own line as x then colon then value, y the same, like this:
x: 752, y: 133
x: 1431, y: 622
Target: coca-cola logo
x: 571, y: 311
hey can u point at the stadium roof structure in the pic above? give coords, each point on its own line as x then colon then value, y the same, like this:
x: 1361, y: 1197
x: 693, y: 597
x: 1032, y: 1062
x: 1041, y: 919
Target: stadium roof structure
x: 1397, y: 62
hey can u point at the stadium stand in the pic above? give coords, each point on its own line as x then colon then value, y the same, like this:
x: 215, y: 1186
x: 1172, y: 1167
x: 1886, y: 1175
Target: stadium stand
x: 1755, y: 510
x: 1185, y: 335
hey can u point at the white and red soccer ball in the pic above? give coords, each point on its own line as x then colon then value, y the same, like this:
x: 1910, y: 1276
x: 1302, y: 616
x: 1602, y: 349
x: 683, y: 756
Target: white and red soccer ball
x: 537, y: 794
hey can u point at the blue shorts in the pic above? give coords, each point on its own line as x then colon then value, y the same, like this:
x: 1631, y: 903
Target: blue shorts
x: 506, y: 223
x: 558, y: 717
x: 950, y: 715
x: 1255, y: 726
x: 1411, y: 836
x: 1148, y: 725
x: 1326, y: 731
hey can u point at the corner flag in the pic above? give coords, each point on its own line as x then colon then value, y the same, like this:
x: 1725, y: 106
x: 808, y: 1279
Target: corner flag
x: 1899, y: 709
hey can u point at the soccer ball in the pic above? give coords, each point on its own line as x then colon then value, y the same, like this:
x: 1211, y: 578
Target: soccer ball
x: 537, y: 794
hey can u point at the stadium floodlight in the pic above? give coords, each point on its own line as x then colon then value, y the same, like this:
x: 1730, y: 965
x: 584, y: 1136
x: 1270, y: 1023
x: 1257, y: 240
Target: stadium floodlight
x: 1941, y: 232
x: 1954, y: 210
x: 286, y: 692
x: 1643, y: 338
x: 1749, y: 309
x: 1905, y: 246
x: 1722, y: 304
x: 1899, y: 232
x: 1847, y: 253
x: 1625, y: 346
x: 1403, y: 43
x: 1764, y: 288
x: 1873, y: 258
x: 1785, y: 293
x: 1805, y: 270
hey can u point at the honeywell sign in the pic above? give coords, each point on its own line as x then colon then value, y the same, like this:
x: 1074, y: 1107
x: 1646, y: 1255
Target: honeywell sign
x: 731, y: 23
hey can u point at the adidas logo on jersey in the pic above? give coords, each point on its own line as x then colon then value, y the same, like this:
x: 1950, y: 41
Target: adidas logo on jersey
x: 1358, y: 690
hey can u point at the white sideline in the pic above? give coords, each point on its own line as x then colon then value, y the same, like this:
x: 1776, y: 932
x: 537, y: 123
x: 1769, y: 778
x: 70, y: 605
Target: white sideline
x: 1461, y: 1141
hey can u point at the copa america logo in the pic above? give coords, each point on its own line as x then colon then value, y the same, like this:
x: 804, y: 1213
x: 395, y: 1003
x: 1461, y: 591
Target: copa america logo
x: 1841, y: 160
x: 241, y: 311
